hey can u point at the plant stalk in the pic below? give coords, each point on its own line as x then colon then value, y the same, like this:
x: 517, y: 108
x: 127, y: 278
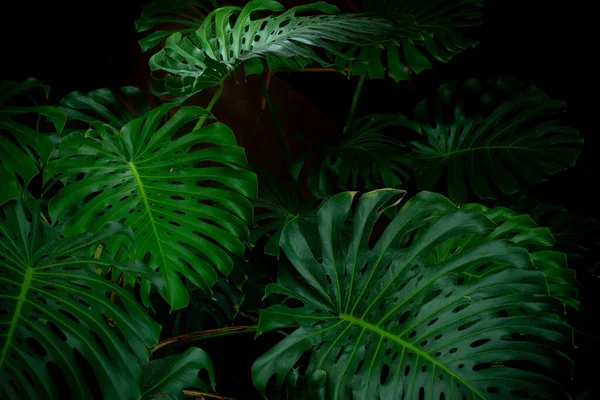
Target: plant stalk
x: 210, y: 105
x: 359, y: 85
x: 280, y: 137
x: 208, y: 334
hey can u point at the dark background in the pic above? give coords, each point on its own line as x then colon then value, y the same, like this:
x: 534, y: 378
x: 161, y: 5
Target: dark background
x: 90, y: 45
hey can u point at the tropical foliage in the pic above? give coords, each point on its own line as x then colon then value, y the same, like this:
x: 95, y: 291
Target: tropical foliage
x: 132, y: 225
x: 439, y: 304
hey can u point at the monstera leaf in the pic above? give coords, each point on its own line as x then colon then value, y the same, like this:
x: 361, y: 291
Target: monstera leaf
x: 105, y: 106
x: 279, y: 202
x: 365, y: 157
x: 185, y: 196
x: 56, y: 320
x: 445, y: 27
x: 488, y: 134
x: 184, y: 16
x: 166, y: 378
x: 230, y: 36
x: 23, y: 150
x: 212, y: 310
x: 415, y: 312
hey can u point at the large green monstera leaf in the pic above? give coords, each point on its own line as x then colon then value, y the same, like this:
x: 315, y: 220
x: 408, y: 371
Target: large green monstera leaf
x: 446, y: 30
x: 229, y: 36
x: 56, y: 316
x: 490, y: 138
x: 184, y: 194
x: 436, y: 306
x: 23, y: 150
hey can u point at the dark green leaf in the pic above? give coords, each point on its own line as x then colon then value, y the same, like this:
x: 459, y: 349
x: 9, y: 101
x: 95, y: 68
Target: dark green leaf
x: 388, y: 317
x: 105, y: 106
x: 278, y: 203
x: 487, y: 134
x: 368, y: 156
x: 167, y: 377
x: 55, y: 312
x: 165, y: 17
x: 445, y: 29
x: 23, y: 150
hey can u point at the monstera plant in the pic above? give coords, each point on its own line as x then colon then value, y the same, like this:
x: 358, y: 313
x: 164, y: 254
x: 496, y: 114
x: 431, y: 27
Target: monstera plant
x: 132, y: 225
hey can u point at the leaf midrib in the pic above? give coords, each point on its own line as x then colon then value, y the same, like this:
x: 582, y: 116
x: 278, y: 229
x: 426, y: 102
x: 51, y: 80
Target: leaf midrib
x: 144, y: 197
x: 420, y: 353
x: 27, y: 278
x: 483, y: 148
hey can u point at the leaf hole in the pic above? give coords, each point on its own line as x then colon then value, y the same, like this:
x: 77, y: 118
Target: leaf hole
x: 384, y: 374
x: 460, y: 307
x: 479, y: 342
x: 339, y: 354
x: 359, y: 366
x: 36, y: 346
x: 404, y: 317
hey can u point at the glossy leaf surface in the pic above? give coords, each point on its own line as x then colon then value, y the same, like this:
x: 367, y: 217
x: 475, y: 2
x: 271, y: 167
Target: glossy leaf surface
x: 185, y: 196
x: 229, y: 36
x: 56, y: 317
x: 415, y: 312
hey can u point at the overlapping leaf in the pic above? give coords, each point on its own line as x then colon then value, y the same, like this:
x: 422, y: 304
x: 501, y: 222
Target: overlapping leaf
x: 229, y: 36
x: 365, y: 157
x: 278, y: 203
x: 491, y: 137
x: 56, y: 317
x: 23, y: 149
x: 185, y: 196
x: 446, y: 28
x: 212, y: 310
x: 389, y: 318
x: 165, y: 17
x: 167, y: 377
x: 116, y: 109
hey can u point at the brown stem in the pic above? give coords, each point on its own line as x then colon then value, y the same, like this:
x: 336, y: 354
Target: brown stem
x: 208, y: 334
x: 263, y: 104
x: 201, y: 395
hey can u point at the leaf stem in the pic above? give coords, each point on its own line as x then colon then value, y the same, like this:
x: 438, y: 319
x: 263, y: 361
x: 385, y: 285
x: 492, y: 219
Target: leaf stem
x: 210, y: 105
x: 359, y: 85
x: 208, y: 334
x: 201, y: 395
x: 280, y: 137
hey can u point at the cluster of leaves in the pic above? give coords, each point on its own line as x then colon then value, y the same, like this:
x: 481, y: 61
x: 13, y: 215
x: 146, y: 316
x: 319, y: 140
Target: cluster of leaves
x: 141, y: 205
